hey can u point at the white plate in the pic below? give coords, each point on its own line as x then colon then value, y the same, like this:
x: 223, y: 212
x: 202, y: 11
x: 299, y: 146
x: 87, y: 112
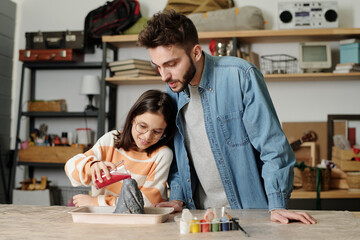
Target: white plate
x: 105, y: 215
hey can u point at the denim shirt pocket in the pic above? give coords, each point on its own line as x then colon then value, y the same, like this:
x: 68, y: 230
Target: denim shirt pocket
x: 232, y: 128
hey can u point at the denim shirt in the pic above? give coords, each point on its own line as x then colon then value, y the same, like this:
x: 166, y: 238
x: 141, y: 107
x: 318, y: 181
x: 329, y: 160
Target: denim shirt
x: 252, y: 154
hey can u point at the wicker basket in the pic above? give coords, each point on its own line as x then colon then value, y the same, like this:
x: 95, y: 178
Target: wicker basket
x: 61, y: 195
x: 309, y: 179
x: 353, y: 180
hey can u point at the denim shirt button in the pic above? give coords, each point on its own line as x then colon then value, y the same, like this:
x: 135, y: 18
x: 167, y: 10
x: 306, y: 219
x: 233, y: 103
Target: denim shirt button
x: 190, y: 200
x: 188, y: 180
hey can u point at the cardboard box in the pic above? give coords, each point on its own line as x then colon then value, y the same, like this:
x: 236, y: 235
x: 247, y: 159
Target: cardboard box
x: 311, y: 157
x: 47, y: 106
x: 350, y: 53
x: 295, y: 130
x: 48, y: 154
x: 342, y: 158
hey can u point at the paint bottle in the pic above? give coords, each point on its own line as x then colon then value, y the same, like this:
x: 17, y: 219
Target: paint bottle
x: 186, y: 217
x: 204, y: 225
x: 224, y: 222
x: 233, y: 225
x: 195, y: 225
x: 184, y: 226
x: 215, y: 225
x: 209, y: 215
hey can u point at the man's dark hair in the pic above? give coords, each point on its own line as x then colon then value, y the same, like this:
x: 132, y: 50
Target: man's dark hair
x: 153, y: 101
x: 169, y: 28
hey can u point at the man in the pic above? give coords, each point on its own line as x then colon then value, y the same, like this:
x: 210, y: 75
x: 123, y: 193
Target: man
x: 230, y: 149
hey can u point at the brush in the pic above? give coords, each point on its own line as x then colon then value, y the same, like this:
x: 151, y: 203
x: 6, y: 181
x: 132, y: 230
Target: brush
x: 237, y: 224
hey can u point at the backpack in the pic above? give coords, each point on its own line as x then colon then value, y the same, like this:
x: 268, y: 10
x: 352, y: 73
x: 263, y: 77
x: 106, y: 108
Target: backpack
x: 110, y: 19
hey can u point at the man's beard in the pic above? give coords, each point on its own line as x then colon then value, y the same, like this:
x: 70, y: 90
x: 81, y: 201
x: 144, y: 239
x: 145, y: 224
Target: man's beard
x: 188, y: 76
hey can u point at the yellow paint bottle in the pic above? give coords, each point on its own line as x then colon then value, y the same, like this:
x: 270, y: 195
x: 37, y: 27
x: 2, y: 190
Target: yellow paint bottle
x: 195, y: 225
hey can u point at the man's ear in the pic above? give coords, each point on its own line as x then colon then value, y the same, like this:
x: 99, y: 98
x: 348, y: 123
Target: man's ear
x: 197, y: 52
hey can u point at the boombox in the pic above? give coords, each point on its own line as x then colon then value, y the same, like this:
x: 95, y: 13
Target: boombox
x: 314, y: 14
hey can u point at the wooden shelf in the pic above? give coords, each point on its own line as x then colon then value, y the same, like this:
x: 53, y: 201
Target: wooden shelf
x: 268, y: 78
x: 311, y: 77
x: 62, y: 65
x: 134, y: 80
x: 331, y: 194
x: 60, y: 114
x: 258, y: 36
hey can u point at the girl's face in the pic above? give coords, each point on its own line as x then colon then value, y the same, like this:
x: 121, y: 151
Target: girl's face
x: 147, y: 129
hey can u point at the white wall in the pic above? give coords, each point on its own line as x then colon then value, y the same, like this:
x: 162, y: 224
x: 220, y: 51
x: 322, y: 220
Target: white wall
x: 294, y: 101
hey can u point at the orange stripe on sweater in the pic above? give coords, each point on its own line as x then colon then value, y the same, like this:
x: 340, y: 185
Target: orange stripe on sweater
x: 153, y: 195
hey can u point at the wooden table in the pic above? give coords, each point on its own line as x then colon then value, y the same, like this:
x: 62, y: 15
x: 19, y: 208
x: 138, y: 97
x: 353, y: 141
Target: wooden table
x: 54, y: 222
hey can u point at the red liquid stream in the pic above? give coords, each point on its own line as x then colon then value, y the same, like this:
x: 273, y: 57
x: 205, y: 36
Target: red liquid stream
x: 115, y: 177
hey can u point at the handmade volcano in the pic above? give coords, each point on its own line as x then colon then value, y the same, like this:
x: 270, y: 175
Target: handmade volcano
x: 130, y: 199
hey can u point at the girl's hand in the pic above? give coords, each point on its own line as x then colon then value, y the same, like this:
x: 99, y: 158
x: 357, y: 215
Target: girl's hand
x: 176, y: 204
x: 98, y: 167
x: 83, y: 200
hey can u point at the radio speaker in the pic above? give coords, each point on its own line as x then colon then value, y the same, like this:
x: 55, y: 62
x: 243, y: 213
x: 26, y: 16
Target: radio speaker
x: 318, y: 14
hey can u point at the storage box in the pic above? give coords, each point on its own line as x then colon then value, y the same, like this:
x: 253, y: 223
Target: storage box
x: 48, y: 154
x: 47, y: 106
x: 51, y: 55
x: 62, y: 194
x: 342, y: 158
x: 350, y: 53
x: 51, y: 40
x: 309, y: 179
x: 353, y: 180
x: 37, y: 197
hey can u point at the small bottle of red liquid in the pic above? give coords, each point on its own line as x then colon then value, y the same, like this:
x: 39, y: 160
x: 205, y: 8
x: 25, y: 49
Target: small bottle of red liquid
x: 118, y: 174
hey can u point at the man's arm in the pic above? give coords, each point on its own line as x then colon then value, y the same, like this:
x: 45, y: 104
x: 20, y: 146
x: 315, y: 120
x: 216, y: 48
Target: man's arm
x: 267, y: 137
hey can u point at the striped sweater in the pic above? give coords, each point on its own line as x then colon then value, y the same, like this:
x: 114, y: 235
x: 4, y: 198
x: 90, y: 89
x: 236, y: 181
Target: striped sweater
x: 150, y: 172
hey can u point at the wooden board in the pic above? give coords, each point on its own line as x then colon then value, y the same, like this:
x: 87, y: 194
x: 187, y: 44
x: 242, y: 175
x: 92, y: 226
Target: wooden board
x: 43, y: 154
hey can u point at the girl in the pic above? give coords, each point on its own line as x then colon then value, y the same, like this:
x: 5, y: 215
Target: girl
x: 142, y: 144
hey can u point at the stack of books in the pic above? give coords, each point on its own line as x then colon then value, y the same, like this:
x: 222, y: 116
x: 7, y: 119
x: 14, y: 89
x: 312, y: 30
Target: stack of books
x: 349, y: 41
x: 347, y: 67
x: 132, y: 68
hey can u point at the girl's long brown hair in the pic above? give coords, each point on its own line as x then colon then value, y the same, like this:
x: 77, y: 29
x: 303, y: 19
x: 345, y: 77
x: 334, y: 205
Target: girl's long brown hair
x: 153, y: 101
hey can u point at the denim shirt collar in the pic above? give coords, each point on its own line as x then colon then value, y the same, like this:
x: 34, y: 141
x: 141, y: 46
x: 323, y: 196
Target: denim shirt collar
x: 207, y: 76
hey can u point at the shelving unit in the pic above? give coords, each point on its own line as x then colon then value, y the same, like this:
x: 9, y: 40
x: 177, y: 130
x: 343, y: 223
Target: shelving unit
x: 254, y: 36
x: 36, y: 66
x: 251, y: 37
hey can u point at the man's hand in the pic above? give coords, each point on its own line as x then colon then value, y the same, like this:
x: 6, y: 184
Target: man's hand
x: 176, y: 204
x: 83, y: 200
x: 284, y: 216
